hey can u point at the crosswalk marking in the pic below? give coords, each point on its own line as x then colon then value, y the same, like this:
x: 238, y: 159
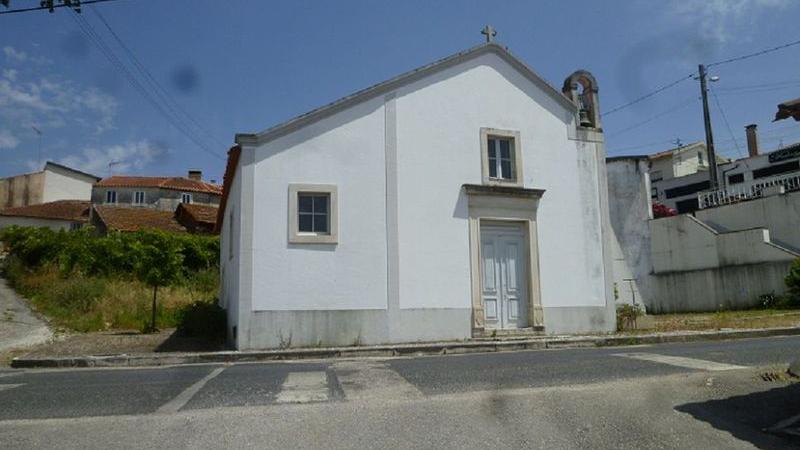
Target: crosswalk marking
x: 691, y: 363
x: 304, y: 387
x: 373, y: 380
x: 5, y: 387
x: 183, y: 398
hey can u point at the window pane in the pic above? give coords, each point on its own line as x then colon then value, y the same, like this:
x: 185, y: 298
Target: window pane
x: 505, y: 167
x: 305, y: 203
x: 321, y: 223
x: 492, y: 168
x: 492, y: 151
x: 320, y: 203
x: 305, y: 223
x: 505, y: 151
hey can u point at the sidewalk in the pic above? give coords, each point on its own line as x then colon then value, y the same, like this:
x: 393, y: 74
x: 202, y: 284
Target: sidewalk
x: 416, y: 349
x: 19, y: 326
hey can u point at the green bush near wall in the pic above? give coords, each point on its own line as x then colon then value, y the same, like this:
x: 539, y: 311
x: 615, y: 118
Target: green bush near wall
x: 115, y: 254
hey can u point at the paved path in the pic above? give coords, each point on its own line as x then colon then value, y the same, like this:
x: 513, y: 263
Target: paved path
x: 695, y: 395
x: 19, y: 327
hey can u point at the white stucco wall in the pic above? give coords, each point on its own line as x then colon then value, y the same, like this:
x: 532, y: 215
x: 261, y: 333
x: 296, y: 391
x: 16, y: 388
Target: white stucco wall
x: 60, y: 184
x: 230, y: 253
x: 346, y: 150
x: 438, y: 120
x: 438, y: 127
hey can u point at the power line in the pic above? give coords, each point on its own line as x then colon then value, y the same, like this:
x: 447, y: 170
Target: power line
x: 661, y: 114
x: 62, y: 5
x: 157, y: 87
x: 648, y: 95
x: 109, y: 54
x: 725, y: 119
x: 751, y: 55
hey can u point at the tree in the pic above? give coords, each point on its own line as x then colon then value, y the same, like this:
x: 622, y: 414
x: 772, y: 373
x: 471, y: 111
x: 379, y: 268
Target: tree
x: 159, y: 263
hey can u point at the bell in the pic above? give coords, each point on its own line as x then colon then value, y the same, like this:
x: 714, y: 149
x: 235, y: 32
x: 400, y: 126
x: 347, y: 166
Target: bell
x: 583, y: 116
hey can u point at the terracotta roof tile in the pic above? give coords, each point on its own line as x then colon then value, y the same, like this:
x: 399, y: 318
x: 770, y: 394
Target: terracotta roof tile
x: 200, y: 213
x: 174, y: 183
x: 75, y: 210
x: 134, y: 219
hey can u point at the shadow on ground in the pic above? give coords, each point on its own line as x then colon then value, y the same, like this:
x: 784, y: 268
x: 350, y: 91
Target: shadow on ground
x: 747, y: 417
x: 177, y: 343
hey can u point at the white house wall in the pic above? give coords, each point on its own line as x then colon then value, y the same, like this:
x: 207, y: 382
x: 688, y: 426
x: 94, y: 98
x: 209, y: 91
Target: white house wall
x: 408, y: 278
x: 62, y: 185
x: 439, y: 141
x: 230, y: 256
x: 346, y: 150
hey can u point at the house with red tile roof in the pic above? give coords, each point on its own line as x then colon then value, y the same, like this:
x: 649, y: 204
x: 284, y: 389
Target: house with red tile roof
x: 57, y: 215
x: 161, y: 193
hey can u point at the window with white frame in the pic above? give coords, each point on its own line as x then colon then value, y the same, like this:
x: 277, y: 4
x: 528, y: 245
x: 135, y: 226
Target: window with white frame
x: 313, y: 214
x: 111, y: 196
x: 186, y: 197
x: 501, y: 157
x: 138, y: 198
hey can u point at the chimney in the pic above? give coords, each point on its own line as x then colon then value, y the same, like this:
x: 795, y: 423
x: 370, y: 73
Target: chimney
x: 752, y: 139
x: 197, y: 174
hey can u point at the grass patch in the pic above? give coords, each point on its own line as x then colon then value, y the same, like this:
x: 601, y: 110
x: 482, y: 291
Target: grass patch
x: 95, y: 303
x: 761, y: 318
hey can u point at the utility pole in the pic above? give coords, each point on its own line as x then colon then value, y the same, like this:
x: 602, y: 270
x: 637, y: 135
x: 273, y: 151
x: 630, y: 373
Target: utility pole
x: 39, y: 132
x: 712, y: 156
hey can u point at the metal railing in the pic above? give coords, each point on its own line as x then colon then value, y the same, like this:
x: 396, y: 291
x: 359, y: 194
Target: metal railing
x: 736, y: 194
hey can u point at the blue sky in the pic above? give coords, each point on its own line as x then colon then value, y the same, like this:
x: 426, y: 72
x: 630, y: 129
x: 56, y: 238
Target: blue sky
x: 242, y: 66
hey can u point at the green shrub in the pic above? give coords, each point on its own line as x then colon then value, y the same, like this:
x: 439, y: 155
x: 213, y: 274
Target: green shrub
x: 792, y: 280
x: 202, y: 319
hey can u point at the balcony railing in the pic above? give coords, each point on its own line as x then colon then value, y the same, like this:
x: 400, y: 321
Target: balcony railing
x: 736, y: 194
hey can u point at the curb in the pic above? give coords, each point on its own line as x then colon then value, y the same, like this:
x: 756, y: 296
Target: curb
x: 435, y: 348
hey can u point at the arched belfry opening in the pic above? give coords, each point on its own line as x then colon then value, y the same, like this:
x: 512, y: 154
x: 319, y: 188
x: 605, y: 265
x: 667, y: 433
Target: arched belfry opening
x: 581, y: 88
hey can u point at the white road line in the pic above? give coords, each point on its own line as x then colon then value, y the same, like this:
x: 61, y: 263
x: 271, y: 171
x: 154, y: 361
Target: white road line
x: 373, y: 380
x: 691, y: 363
x: 5, y: 387
x: 304, y: 387
x: 183, y: 398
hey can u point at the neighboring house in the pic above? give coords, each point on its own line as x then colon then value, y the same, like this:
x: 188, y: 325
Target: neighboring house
x: 57, y: 215
x: 678, y: 174
x: 162, y: 193
x: 54, y: 182
x: 735, y: 246
x: 464, y: 198
x: 197, y: 218
x: 788, y: 109
x: 109, y: 218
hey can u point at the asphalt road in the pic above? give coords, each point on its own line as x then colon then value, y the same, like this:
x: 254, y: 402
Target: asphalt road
x: 710, y: 394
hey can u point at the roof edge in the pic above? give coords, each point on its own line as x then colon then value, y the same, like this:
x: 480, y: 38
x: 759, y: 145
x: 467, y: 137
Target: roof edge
x: 250, y: 139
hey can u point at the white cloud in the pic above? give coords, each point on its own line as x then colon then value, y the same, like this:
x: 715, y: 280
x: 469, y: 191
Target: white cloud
x: 18, y: 56
x: 11, y: 74
x: 8, y: 140
x: 52, y: 102
x: 127, y: 158
x: 720, y: 20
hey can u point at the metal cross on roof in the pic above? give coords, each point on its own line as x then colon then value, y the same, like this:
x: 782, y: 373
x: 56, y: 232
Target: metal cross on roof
x: 489, y: 32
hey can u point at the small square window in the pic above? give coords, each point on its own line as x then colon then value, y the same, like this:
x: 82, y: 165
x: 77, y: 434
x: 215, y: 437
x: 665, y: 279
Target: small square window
x: 111, y: 196
x: 501, y: 157
x: 138, y: 198
x: 312, y: 210
x: 186, y: 198
x: 312, y: 214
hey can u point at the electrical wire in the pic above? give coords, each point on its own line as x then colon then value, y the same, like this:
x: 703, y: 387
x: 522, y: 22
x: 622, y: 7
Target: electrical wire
x: 157, y: 87
x: 646, y: 96
x: 109, y: 54
x: 725, y: 119
x: 661, y: 114
x: 751, y: 55
x: 62, y: 5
